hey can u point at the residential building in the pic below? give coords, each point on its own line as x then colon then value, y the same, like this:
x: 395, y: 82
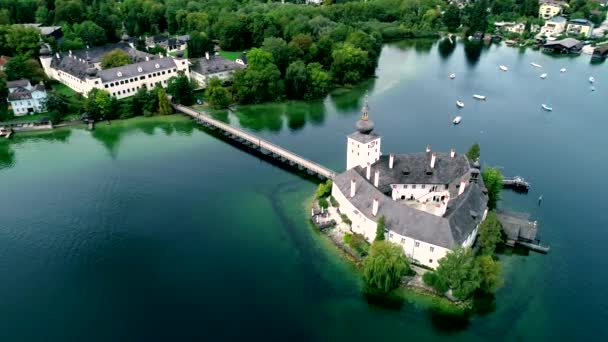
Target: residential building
x: 554, y: 26
x: 579, y: 27
x: 81, y: 70
x: 203, y: 69
x: 431, y: 202
x: 48, y: 31
x: 242, y: 60
x: 171, y: 44
x: 511, y: 27
x: 549, y: 9
x: 25, y: 99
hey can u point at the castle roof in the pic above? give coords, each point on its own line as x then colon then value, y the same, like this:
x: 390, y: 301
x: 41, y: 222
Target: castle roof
x: 451, y: 230
x: 214, y: 65
x: 136, y: 69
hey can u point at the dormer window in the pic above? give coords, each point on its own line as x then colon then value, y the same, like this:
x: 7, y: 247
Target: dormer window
x: 157, y: 66
x: 139, y: 69
x: 119, y: 74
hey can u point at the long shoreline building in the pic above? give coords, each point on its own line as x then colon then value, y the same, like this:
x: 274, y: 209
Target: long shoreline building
x: 432, y: 202
x: 81, y: 70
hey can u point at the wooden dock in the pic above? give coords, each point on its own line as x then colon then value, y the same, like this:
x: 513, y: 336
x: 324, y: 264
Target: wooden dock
x: 516, y: 183
x: 521, y: 231
x: 253, y: 141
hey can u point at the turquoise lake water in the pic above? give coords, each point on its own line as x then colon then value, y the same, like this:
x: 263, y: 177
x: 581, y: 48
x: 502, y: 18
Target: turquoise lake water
x: 153, y: 229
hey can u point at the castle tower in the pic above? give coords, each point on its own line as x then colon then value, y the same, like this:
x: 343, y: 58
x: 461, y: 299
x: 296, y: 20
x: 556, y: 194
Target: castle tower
x: 46, y: 57
x: 363, y: 146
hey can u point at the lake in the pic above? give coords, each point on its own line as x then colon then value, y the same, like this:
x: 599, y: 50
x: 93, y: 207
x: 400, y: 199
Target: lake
x: 154, y: 229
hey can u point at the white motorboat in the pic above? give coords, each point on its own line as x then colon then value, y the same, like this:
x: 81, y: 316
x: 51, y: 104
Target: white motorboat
x: 456, y: 120
x: 503, y: 68
x: 479, y: 97
x: 562, y: 70
x: 460, y: 104
x: 547, y: 108
x: 536, y: 65
x: 591, y: 79
x: 452, y: 76
x: 543, y: 76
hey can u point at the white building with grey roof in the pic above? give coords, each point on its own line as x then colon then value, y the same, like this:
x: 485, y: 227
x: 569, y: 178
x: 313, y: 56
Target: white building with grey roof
x: 432, y: 202
x: 25, y: 99
x: 204, y: 69
x: 81, y: 70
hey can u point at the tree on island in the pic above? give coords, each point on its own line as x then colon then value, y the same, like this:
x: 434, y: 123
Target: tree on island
x: 474, y: 152
x: 490, y: 273
x: 384, y: 267
x: 380, y: 229
x: 164, y: 107
x: 217, y: 96
x: 492, y: 178
x: 459, y: 271
x: 490, y: 234
x: 115, y: 58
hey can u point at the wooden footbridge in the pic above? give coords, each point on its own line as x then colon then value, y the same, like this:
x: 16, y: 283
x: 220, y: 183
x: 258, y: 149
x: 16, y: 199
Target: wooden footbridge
x: 255, y: 142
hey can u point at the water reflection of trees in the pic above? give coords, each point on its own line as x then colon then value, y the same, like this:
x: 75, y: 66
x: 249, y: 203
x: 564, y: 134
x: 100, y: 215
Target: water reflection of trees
x: 7, y: 155
x: 446, y: 48
x: 350, y: 101
x: 472, y: 51
x: 422, y: 45
x: 272, y: 116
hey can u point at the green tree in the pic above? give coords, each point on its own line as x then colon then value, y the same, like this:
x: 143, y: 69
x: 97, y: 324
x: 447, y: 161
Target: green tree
x: 261, y: 81
x: 490, y: 272
x: 280, y: 52
x: 115, y: 58
x: 492, y: 178
x: 199, y: 44
x: 490, y: 233
x: 384, y: 267
x: 20, y: 67
x: 451, y: 17
x: 164, y: 107
x: 530, y: 8
x: 181, y: 89
x: 478, y: 18
x: 90, y: 33
x: 474, y: 152
x: 324, y: 189
x: 459, y: 270
x: 380, y: 226
x: 320, y: 82
x: 56, y: 103
x: 23, y: 40
x: 217, y: 96
x: 296, y: 80
x: 99, y: 104
x: 69, y: 11
x: 349, y: 64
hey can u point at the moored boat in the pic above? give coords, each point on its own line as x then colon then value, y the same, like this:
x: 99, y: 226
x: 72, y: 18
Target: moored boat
x: 562, y: 70
x: 536, y: 65
x: 591, y: 79
x: 457, y: 120
x: 479, y: 97
x: 452, y: 76
x: 503, y: 67
x: 460, y: 104
x: 543, y: 76
x: 547, y: 108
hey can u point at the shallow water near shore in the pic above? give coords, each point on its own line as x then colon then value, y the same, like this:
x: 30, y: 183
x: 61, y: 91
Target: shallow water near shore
x: 154, y: 229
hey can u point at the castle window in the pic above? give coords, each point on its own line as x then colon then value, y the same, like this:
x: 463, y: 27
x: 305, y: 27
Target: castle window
x: 414, y: 186
x: 417, y: 244
x: 390, y: 236
x: 402, y: 240
x: 422, y: 186
x: 430, y: 261
x: 432, y: 248
x: 405, y: 186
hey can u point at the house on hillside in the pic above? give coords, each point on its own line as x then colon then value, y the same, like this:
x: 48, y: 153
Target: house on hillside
x: 554, y: 27
x: 48, y: 31
x: 549, y: 9
x: 203, y: 69
x: 25, y: 99
x: 579, y: 27
x: 511, y: 27
x: 171, y: 44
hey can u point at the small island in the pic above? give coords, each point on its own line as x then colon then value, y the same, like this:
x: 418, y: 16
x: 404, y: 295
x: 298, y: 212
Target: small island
x: 423, y: 220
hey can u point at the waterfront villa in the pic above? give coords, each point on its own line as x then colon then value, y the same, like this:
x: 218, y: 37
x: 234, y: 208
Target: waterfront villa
x: 213, y: 66
x: 579, y: 27
x: 25, y: 99
x: 81, y: 70
x: 549, y: 9
x: 432, y: 202
x: 553, y: 27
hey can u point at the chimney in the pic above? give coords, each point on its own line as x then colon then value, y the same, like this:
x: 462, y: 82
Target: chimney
x: 433, y: 158
x: 147, y: 58
x: 70, y: 52
x: 391, y: 160
x: 207, y: 55
x: 353, y: 188
x: 463, y: 184
x: 453, y: 153
x: 368, y: 173
x: 375, y: 207
x: 428, y: 148
x: 376, y: 178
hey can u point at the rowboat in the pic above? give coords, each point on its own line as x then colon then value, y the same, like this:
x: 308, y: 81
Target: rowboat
x: 460, y: 104
x: 547, y: 108
x: 456, y: 120
x: 479, y: 97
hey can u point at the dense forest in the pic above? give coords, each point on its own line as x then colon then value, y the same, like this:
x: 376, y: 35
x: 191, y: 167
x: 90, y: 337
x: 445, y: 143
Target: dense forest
x: 296, y: 51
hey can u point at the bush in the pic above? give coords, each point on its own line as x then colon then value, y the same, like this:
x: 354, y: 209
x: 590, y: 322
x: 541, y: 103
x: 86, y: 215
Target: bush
x: 333, y: 202
x: 431, y: 279
x: 323, y: 203
x: 358, y: 243
x: 345, y: 219
x: 384, y: 267
x: 324, y: 189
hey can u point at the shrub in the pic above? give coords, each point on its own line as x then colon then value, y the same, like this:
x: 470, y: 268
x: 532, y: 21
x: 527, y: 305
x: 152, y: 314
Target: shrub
x: 324, y: 189
x: 345, y: 219
x: 323, y: 203
x: 431, y: 279
x: 357, y: 242
x: 333, y: 202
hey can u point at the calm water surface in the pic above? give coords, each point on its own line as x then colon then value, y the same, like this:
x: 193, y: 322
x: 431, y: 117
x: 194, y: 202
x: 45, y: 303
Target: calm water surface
x: 152, y: 229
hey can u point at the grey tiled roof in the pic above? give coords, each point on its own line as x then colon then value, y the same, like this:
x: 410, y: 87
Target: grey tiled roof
x: 363, y: 138
x: 17, y: 83
x: 20, y: 94
x: 214, y: 65
x: 77, y: 64
x: 448, y: 231
x: 567, y: 43
x: 447, y: 170
x: 132, y: 70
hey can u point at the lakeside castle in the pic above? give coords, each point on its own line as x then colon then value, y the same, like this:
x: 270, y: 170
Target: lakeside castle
x: 432, y: 202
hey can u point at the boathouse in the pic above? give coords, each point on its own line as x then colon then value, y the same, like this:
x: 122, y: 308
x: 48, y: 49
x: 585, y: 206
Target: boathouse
x: 568, y: 45
x: 600, y: 52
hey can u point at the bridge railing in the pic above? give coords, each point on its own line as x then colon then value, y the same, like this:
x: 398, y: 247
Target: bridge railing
x: 263, y: 144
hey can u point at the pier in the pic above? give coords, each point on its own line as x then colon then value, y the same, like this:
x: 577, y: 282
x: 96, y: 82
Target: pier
x: 255, y: 142
x: 516, y: 183
x: 521, y: 231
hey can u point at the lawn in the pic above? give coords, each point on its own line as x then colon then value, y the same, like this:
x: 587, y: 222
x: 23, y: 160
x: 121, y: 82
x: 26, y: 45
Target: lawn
x: 63, y: 90
x: 231, y: 55
x: 172, y: 54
